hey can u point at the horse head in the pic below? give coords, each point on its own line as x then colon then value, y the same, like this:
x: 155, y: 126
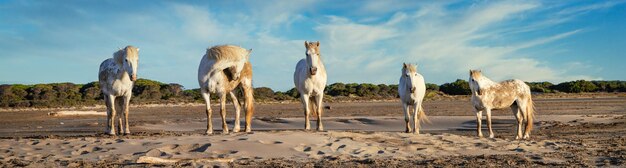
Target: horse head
x: 409, y: 72
x: 128, y: 59
x: 312, y: 56
x: 474, y: 77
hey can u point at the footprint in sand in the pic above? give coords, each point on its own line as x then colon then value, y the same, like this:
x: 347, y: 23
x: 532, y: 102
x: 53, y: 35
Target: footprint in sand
x: 97, y: 149
x: 155, y: 153
x: 278, y: 142
x: 139, y: 153
x: 79, y: 152
x: 202, y: 148
x: 150, y: 143
x: 35, y: 142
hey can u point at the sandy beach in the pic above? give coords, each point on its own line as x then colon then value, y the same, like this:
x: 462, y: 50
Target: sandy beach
x: 568, y: 132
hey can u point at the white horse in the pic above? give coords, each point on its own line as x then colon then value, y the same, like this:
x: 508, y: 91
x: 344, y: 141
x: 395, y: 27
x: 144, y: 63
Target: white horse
x: 412, y: 90
x: 310, y: 80
x: 221, y: 70
x: 116, y: 78
x: 488, y: 95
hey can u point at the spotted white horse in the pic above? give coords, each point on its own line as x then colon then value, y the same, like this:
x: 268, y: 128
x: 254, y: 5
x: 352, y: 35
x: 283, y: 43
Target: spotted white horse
x: 412, y: 89
x: 310, y: 80
x: 221, y: 70
x: 116, y: 78
x: 488, y: 95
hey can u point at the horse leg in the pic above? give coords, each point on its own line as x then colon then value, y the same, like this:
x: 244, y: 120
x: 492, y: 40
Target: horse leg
x: 518, y: 117
x: 319, y: 108
x: 416, y: 120
x: 110, y: 114
x: 207, y: 100
x: 237, y: 126
x: 126, y: 107
x: 305, y: 104
x: 248, y: 104
x: 523, y: 106
x: 489, y: 123
x: 479, y: 115
x: 223, y: 112
x: 407, y: 117
x: 109, y: 103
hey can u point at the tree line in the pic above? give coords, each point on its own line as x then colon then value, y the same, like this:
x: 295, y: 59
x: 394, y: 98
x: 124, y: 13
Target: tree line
x: 148, y: 91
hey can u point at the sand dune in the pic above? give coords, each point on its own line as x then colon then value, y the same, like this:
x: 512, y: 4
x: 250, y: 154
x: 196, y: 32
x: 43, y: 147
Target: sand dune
x: 374, y: 137
x: 293, y: 145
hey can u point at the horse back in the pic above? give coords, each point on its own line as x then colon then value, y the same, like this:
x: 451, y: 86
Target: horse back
x: 507, y: 92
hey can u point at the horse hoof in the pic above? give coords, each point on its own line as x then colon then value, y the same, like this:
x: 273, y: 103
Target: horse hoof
x: 111, y: 132
x: 517, y: 137
x: 491, y: 136
x: 209, y: 132
x: 248, y: 130
x: 235, y: 130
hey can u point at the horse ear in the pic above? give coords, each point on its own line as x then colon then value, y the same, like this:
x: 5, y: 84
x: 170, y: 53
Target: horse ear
x: 249, y: 51
x: 317, y: 43
x: 404, y: 65
x: 306, y: 43
x: 137, y: 49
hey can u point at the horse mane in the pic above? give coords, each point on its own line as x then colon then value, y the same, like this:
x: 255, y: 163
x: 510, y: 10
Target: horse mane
x: 119, y: 54
x: 313, y: 45
x: 409, y: 67
x: 476, y: 74
x: 227, y: 53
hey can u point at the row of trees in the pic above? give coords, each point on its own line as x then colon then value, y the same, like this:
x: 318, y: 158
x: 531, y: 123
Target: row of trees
x: 69, y: 94
x: 148, y: 91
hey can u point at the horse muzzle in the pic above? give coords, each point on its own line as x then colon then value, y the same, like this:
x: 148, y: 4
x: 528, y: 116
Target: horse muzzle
x: 313, y: 71
x: 413, y: 89
x: 133, y: 78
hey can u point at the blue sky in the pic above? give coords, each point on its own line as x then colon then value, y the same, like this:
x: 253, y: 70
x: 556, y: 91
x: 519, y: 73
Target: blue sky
x: 361, y: 41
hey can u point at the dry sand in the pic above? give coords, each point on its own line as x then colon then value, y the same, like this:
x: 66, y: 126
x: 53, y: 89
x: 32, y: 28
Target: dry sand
x: 569, y: 132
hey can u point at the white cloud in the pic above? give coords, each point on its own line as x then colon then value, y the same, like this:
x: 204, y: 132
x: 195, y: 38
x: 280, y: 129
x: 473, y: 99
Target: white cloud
x: 360, y: 43
x: 445, y: 44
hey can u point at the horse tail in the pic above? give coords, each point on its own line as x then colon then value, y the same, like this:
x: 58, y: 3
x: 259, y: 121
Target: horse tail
x: 422, y: 115
x: 530, y: 114
x: 119, y: 104
x: 248, y: 94
x: 312, y: 106
x: 249, y: 99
